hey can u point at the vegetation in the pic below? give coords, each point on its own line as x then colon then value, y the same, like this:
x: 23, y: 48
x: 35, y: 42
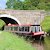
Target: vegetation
x: 10, y: 41
x: 28, y: 4
x: 46, y: 24
x: 46, y: 27
x: 47, y: 43
x: 2, y: 23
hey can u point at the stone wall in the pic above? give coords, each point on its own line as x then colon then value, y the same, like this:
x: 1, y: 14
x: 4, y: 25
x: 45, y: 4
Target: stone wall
x: 26, y: 16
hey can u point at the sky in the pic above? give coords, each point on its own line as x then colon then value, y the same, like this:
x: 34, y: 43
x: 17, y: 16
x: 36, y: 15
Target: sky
x: 2, y: 4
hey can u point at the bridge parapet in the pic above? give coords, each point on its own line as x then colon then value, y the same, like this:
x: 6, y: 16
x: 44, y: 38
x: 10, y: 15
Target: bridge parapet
x: 26, y: 16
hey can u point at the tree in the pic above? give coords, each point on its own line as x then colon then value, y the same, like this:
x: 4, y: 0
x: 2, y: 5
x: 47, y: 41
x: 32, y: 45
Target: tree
x: 48, y: 6
x: 14, y: 4
x: 18, y: 4
x: 10, y: 4
x: 28, y: 4
x: 41, y: 6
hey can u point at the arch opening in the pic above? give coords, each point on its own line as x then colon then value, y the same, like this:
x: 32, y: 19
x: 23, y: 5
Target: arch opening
x: 8, y: 20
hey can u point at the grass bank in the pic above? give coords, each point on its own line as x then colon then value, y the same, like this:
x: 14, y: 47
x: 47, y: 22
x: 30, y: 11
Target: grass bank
x: 46, y: 27
x: 2, y: 23
x: 46, y: 24
x: 47, y: 43
x: 9, y: 41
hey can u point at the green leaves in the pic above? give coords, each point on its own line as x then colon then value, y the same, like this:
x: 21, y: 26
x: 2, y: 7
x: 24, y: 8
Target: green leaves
x: 28, y: 4
x: 41, y: 6
x: 2, y: 23
x: 46, y: 24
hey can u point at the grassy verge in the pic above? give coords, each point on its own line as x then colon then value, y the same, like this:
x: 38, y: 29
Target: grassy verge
x: 9, y: 41
x: 47, y: 43
x: 2, y: 23
x: 46, y: 24
x: 46, y: 27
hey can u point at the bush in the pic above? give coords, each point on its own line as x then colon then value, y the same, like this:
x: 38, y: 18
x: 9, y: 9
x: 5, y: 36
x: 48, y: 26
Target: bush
x: 46, y: 24
x: 2, y: 23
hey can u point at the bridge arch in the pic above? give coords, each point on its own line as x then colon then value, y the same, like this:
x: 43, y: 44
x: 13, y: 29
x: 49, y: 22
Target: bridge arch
x: 9, y: 18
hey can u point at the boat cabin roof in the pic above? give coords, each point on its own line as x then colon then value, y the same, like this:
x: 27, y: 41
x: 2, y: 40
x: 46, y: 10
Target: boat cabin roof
x: 21, y: 25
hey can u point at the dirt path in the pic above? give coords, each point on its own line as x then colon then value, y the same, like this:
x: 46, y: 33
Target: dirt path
x: 38, y: 45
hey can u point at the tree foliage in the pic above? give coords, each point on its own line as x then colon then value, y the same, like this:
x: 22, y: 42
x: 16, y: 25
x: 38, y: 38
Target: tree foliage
x: 28, y: 4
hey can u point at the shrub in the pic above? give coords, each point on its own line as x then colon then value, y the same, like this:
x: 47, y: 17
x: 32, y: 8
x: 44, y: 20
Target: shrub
x: 2, y: 23
x: 46, y: 24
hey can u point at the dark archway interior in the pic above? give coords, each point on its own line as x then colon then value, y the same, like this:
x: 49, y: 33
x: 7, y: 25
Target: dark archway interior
x: 8, y: 20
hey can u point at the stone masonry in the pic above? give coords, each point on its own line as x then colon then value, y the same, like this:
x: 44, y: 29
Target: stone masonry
x: 26, y: 16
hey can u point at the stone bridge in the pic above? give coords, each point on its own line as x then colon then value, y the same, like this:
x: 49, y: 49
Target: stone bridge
x: 22, y: 16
